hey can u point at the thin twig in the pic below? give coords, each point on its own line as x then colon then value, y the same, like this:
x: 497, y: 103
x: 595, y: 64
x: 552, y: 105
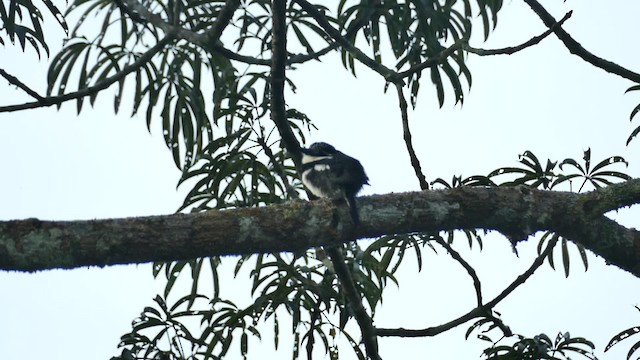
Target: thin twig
x: 513, y: 49
x: 479, y: 311
x: 464, y: 44
x: 14, y: 80
x: 506, y: 330
x: 415, y: 162
x: 575, y: 48
x: 456, y: 256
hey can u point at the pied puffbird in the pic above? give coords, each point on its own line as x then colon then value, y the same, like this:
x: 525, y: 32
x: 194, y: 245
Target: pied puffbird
x: 329, y: 173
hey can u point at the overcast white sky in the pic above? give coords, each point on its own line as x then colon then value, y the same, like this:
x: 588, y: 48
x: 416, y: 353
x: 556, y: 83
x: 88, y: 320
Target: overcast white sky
x: 61, y: 166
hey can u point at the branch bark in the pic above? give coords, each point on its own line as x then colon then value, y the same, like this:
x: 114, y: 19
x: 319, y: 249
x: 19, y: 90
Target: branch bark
x: 29, y: 245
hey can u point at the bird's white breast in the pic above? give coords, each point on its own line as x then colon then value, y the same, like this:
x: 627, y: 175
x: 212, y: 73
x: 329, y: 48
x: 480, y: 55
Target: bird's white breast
x: 310, y: 186
x: 306, y: 159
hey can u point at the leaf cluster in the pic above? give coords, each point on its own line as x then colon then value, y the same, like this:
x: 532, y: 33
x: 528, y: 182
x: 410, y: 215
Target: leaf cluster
x: 14, y: 23
x: 417, y: 31
x: 541, y: 347
x: 302, y: 287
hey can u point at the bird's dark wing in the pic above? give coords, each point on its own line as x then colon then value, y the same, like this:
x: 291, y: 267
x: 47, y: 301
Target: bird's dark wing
x: 347, y: 171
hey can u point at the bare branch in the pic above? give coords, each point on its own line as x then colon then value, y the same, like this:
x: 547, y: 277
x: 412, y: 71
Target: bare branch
x: 14, y: 80
x: 524, y: 276
x: 415, y: 162
x: 575, y: 48
x: 514, y: 49
x: 480, y: 311
x: 456, y: 256
x: 56, y: 100
x: 347, y: 284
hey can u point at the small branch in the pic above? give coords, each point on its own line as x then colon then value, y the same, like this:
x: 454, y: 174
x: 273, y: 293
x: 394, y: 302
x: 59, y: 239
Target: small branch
x: 56, y: 100
x: 293, y: 59
x: 575, y: 48
x: 511, y: 50
x: 157, y: 21
x: 464, y: 44
x: 223, y: 19
x: 456, y: 256
x: 415, y: 162
x: 369, y: 337
x: 506, y: 330
x: 14, y: 81
x: 435, y: 60
x: 524, y: 276
x: 134, y: 16
x: 479, y: 311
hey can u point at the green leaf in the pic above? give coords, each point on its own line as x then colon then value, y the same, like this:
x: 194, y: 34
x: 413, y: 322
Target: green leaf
x: 565, y: 256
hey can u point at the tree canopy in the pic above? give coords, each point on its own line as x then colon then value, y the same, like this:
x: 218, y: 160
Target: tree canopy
x: 218, y: 77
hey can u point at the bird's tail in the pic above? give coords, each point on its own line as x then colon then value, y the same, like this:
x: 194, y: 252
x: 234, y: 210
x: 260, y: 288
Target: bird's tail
x: 353, y: 209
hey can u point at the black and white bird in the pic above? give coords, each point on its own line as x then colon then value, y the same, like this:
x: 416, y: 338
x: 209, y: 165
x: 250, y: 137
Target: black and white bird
x: 328, y: 173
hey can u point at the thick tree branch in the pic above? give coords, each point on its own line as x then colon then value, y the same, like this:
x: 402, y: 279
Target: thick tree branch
x: 575, y: 48
x: 57, y: 100
x: 480, y: 311
x: 30, y: 245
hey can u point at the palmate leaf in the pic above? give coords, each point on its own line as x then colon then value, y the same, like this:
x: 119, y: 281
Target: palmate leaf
x: 595, y: 176
x: 533, y: 174
x: 458, y: 181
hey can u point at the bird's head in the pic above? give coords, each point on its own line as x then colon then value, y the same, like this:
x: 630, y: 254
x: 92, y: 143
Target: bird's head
x: 320, y: 149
